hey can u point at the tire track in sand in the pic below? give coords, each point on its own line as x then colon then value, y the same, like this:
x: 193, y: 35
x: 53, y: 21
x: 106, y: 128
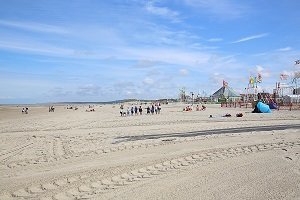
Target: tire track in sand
x: 88, y: 186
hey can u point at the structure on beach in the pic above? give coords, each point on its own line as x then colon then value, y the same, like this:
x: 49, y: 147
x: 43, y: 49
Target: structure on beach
x: 226, y: 93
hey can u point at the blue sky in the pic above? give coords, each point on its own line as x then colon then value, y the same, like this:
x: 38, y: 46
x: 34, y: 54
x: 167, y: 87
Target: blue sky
x: 88, y: 50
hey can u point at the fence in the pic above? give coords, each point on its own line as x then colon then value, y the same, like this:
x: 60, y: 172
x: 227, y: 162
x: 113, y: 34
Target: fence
x: 236, y: 104
x: 280, y: 106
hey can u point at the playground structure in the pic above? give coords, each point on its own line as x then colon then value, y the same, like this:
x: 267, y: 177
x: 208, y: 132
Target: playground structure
x: 286, y: 96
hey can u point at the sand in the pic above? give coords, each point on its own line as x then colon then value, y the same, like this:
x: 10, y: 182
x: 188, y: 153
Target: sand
x: 74, y: 154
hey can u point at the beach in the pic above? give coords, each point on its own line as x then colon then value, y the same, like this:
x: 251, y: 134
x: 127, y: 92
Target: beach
x: 74, y: 154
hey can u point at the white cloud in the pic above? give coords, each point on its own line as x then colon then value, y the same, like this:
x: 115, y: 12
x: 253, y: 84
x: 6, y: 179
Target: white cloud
x: 32, y: 26
x: 183, y: 72
x: 148, y: 81
x: 251, y: 38
x: 285, y: 49
x: 162, y: 11
x: 225, y: 9
x: 89, y: 90
x: 215, y: 40
x: 145, y: 63
x: 264, y: 72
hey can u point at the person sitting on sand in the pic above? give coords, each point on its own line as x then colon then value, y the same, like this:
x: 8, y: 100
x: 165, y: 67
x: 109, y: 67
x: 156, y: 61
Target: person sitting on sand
x: 203, y: 107
x: 197, y: 108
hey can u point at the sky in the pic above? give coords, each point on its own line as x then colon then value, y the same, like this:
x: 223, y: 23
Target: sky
x: 91, y: 50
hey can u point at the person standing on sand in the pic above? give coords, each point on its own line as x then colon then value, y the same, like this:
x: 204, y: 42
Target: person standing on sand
x: 121, y: 110
x: 132, y: 110
x: 152, y: 109
x: 135, y: 110
x: 140, y: 110
x: 158, y: 109
x: 128, y: 111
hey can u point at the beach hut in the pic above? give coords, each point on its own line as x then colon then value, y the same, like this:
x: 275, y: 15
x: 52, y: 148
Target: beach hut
x: 227, y: 94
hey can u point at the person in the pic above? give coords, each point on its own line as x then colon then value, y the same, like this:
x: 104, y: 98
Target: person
x: 140, y: 110
x: 256, y: 110
x: 197, y: 108
x: 148, y: 110
x: 26, y: 110
x: 135, y: 110
x: 203, y: 107
x: 121, y: 110
x: 132, y: 110
x: 23, y: 110
x: 158, y: 109
x: 152, y: 109
x: 128, y: 111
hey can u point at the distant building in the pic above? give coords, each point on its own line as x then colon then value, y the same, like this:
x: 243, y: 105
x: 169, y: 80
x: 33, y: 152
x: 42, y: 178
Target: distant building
x: 227, y: 94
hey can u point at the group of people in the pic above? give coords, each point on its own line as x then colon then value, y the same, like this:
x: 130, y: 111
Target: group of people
x: 91, y: 109
x: 198, y: 108
x: 51, y: 109
x: 25, y: 110
x: 135, y: 110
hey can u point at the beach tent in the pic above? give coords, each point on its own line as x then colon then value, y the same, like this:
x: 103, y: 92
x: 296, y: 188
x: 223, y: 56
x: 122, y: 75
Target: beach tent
x: 226, y: 92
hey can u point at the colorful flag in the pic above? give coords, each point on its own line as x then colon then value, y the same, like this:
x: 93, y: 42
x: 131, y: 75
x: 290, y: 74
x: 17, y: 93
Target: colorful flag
x: 225, y: 84
x: 251, y: 81
x: 259, y: 78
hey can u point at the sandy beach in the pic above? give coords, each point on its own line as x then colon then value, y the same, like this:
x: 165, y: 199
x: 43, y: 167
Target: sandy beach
x: 74, y: 154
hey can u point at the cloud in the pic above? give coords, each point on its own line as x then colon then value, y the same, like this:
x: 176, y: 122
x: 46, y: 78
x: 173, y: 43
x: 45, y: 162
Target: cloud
x: 58, y: 92
x: 285, y: 49
x: 148, y: 81
x: 162, y: 11
x: 215, y: 40
x: 183, y: 72
x: 32, y: 26
x: 41, y: 49
x: 225, y: 9
x: 89, y: 90
x: 251, y: 38
x: 264, y: 73
x: 145, y: 64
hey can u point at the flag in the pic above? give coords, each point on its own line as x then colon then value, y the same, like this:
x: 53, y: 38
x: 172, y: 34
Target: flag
x: 225, y: 84
x: 251, y: 81
x: 259, y: 78
x: 283, y: 76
